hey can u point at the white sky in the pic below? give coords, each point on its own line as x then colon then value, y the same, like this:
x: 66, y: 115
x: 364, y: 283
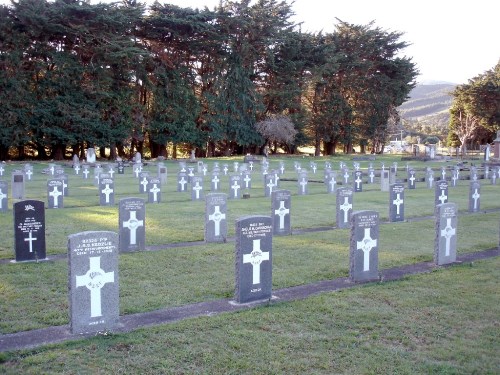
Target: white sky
x: 452, y: 40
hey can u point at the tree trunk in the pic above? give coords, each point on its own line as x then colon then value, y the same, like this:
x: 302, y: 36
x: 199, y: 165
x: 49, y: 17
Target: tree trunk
x: 102, y: 152
x: 58, y: 152
x: 112, y: 152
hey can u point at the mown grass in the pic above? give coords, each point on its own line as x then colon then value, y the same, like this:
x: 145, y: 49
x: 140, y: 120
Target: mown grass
x: 445, y: 322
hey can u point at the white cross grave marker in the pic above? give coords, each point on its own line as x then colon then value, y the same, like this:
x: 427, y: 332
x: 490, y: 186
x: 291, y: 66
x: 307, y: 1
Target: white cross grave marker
x: 412, y: 179
x: 77, y: 169
x: 132, y: 224
x: 270, y: 185
x: 255, y: 258
x: 86, y: 173
x: 144, y: 184
x: 366, y: 245
x: 94, y: 280
x: 29, y: 172
x: 282, y: 211
x: 332, y: 183
x: 217, y: 217
x: 447, y: 233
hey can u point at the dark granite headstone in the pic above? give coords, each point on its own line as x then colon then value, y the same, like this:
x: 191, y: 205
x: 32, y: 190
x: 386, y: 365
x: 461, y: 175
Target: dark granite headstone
x: 364, y: 246
x: 235, y: 187
x: 121, y: 167
x: 97, y: 172
x: 445, y: 244
x: 154, y: 190
x: 55, y: 193
x: 132, y: 224
x: 441, y: 192
x: 393, y: 174
x: 216, y: 217
x: 18, y: 185
x: 281, y: 203
x: 254, y: 242
x: 4, y: 196
x: 29, y: 230
x: 182, y: 181
x: 474, y: 196
x: 106, y: 190
x: 197, y: 188
x: 396, y: 202
x: 344, y: 207
x: 358, y: 181
x: 93, y: 281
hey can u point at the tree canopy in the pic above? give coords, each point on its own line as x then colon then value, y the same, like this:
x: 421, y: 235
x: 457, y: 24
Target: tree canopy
x: 125, y: 78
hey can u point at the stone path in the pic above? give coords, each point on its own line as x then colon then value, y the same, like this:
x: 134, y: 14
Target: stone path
x: 128, y: 323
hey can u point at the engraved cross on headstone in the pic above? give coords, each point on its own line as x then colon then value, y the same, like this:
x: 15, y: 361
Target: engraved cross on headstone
x: 447, y: 233
x: 132, y: 224
x: 55, y: 193
x: 346, y: 206
x: 366, y: 245
x: 197, y: 188
x: 30, y: 239
x: 107, y: 191
x: 155, y: 190
x: 182, y: 182
x: 215, y: 181
x: 235, y: 188
x: 282, y: 211
x: 255, y: 258
x: 475, y: 196
x: 443, y: 198
x: 398, y: 202
x: 217, y: 217
x: 303, y: 184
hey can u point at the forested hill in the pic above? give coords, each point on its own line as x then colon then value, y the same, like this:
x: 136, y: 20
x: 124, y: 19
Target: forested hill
x: 428, y: 101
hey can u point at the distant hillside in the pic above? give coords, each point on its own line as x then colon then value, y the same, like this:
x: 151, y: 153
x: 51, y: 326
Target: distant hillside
x: 427, y: 101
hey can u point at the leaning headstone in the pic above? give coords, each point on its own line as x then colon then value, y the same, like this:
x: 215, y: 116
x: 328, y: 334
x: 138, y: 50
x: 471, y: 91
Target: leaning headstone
x: 396, y: 202
x: 4, y: 196
x: 143, y: 182
x: 93, y: 281
x: 197, y: 188
x: 17, y: 185
x: 29, y: 230
x: 384, y: 180
x: 280, y: 212
x: 358, y: 181
x: 364, y: 246
x: 182, y: 181
x: 215, y: 182
x: 445, y: 244
x: 253, y: 266
x: 474, y: 196
x: 55, y: 193
x: 154, y: 190
x: 235, y: 187
x: 106, y: 190
x: 441, y: 192
x: 90, y: 155
x: 216, y: 217
x: 132, y: 224
x: 303, y: 182
x: 411, y: 179
x: 344, y: 207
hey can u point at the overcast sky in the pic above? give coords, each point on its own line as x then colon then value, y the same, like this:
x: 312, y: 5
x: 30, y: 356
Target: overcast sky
x: 451, y: 41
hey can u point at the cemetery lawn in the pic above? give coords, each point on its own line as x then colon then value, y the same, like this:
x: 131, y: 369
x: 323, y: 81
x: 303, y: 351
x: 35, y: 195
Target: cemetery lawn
x: 443, y: 322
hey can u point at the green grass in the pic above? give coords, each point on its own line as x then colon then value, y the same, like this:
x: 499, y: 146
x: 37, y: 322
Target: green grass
x: 445, y: 322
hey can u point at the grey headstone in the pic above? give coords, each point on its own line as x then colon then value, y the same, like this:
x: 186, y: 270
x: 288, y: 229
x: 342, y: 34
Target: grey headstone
x: 246, y: 180
x: 253, y: 266
x: 429, y: 178
x: 17, y: 185
x: 364, y: 246
x: 76, y: 160
x: 281, y: 203
x: 344, y: 207
x: 97, y: 172
x: 303, y: 183
x: 392, y: 175
x: 384, y: 180
x: 137, y: 169
x: 162, y: 174
x: 28, y: 171
x: 93, y: 281
x: 132, y: 224
x: 190, y: 173
x: 106, y: 190
x: 143, y: 182
x: 215, y: 182
x: 412, y: 179
x: 121, y: 167
x: 225, y: 169
x: 331, y: 182
x: 65, y: 186
x: 441, y: 192
x: 445, y: 244
x: 29, y: 230
x: 85, y: 171
x: 154, y: 190
x: 197, y: 188
x: 371, y: 176
x: 358, y: 181
x: 55, y: 193
x: 90, y: 155
x: 216, y: 217
x: 4, y: 196
x: 269, y: 185
x: 396, y: 202
x: 182, y: 181
x: 474, y: 196
x: 138, y: 158
x: 59, y: 171
x: 235, y: 187
x: 345, y: 176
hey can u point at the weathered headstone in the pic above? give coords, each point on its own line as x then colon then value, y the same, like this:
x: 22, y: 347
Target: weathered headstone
x: 344, y: 207
x: 4, y: 196
x: 411, y: 179
x: 76, y: 160
x: 93, y: 281
x: 303, y: 183
x: 445, y: 244
x: 474, y: 196
x: 441, y: 192
x: 473, y: 173
x: 384, y: 180
x: 55, y: 193
x: 358, y: 181
x: 132, y: 224
x: 154, y: 190
x: 364, y: 246
x: 138, y: 158
x: 182, y: 181
x: 18, y: 182
x: 197, y: 188
x: 90, y: 156
x: 162, y: 173
x: 216, y: 217
x: 106, y: 190
x: 253, y: 266
x: 235, y: 187
x: 29, y: 230
x: 280, y: 212
x: 396, y: 202
x: 392, y: 175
